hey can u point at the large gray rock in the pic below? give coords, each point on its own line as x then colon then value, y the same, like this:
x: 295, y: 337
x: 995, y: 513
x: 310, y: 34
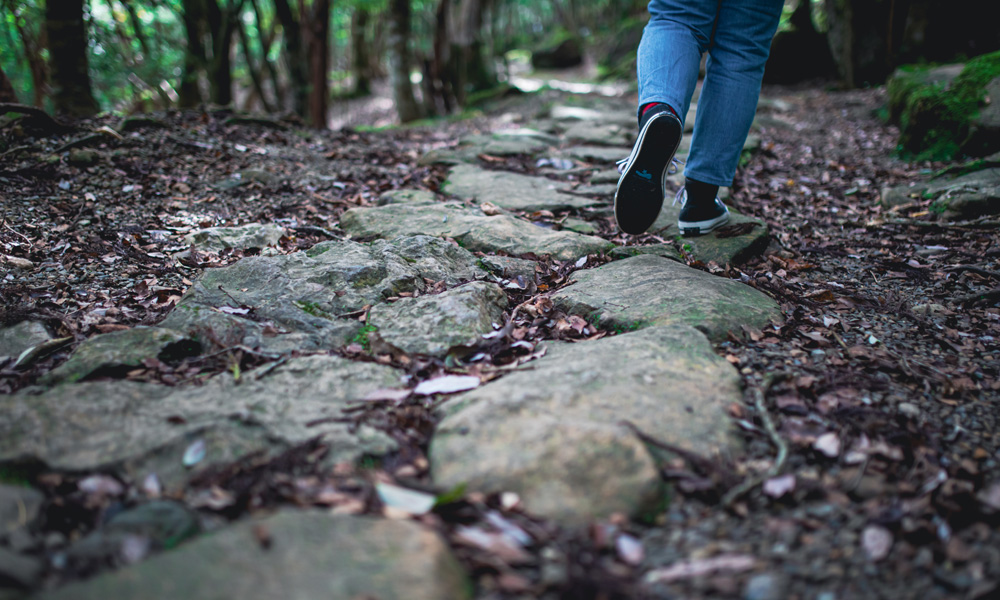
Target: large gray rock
x: 598, y: 154
x: 718, y: 246
x: 298, y: 301
x: 602, y: 133
x: 551, y: 433
x: 442, y: 323
x: 650, y: 290
x: 254, y: 235
x: 471, y: 228
x: 311, y: 555
x: 135, y: 428
x: 502, y: 143
x: 964, y: 197
x: 17, y: 338
x: 117, y: 351
x: 512, y: 191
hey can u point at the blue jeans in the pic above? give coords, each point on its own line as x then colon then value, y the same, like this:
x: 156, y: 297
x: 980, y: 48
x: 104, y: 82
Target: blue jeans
x: 737, y: 36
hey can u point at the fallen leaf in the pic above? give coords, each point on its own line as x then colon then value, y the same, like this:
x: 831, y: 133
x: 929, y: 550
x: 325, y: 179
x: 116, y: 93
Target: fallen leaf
x: 629, y: 550
x: 495, y: 543
x: 828, y: 444
x: 194, y: 453
x: 489, y: 209
x: 687, y: 569
x: 101, y: 485
x: 449, y: 384
x: 404, y: 499
x: 876, y: 541
x: 776, y: 487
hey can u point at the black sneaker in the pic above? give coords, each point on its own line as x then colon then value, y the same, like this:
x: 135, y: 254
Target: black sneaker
x: 640, y: 192
x: 701, y: 217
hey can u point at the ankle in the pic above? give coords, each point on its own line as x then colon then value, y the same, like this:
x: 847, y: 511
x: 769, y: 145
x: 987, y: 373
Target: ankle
x: 700, y: 192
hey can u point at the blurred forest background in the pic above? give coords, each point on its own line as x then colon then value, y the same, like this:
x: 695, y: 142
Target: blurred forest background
x: 76, y: 58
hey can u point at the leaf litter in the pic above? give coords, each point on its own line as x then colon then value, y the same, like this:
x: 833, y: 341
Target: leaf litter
x: 890, y: 338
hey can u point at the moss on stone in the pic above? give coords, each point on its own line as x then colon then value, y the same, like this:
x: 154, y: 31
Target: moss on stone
x: 935, y: 116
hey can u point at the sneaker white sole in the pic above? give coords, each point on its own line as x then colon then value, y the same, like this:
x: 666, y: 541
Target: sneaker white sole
x: 703, y: 227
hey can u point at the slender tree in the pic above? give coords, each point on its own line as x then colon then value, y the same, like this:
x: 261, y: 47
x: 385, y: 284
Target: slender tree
x: 400, y: 60
x: 294, y: 56
x: 67, y: 36
x: 7, y: 93
x: 318, y: 52
x: 360, y: 56
x: 222, y: 22
x: 194, y: 56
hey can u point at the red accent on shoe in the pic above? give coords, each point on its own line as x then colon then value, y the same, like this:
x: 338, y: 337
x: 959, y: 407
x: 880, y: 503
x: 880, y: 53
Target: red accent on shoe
x: 645, y: 108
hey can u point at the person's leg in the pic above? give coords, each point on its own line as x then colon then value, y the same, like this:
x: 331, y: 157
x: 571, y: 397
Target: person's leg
x: 669, y: 55
x: 729, y: 94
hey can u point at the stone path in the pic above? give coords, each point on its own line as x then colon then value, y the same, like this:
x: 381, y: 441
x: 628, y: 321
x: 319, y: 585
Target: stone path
x: 552, y: 431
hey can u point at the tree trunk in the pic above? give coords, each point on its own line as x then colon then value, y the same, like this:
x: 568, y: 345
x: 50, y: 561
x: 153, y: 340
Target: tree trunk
x: 399, y: 59
x: 7, y: 93
x: 221, y: 21
x: 255, y: 76
x: 194, y: 57
x: 265, y: 50
x: 857, y: 35
x: 294, y: 56
x: 360, y: 56
x: 317, y: 32
x: 32, y: 53
x: 67, y: 35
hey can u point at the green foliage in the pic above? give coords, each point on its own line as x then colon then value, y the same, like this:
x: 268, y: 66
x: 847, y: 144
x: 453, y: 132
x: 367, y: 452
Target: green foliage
x: 15, y: 475
x: 361, y: 337
x: 934, y: 118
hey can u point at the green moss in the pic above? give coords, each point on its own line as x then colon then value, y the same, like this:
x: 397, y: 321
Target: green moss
x: 934, y: 118
x: 15, y: 475
x: 361, y: 337
x: 313, y: 309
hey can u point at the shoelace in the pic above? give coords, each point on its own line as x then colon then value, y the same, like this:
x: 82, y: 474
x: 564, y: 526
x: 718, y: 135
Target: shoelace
x: 678, y: 198
x: 672, y: 168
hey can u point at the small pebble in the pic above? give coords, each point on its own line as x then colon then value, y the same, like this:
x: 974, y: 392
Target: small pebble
x: 908, y: 409
x: 766, y: 586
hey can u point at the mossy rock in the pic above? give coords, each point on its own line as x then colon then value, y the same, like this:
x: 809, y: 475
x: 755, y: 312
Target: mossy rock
x: 944, y: 112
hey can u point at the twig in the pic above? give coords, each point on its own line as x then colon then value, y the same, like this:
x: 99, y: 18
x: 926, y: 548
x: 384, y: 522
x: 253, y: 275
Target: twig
x: 993, y: 294
x: 17, y: 149
x: 35, y: 113
x: 976, y: 270
x: 759, y: 394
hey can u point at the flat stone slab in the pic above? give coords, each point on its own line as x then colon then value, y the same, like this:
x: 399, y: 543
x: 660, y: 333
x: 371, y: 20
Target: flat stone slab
x: 139, y: 428
x: 311, y: 555
x: 120, y: 351
x: 19, y: 337
x: 718, y: 246
x: 650, y: 290
x: 254, y: 235
x: 551, y: 433
x: 512, y: 191
x: 441, y: 324
x: 602, y: 133
x: 298, y: 301
x: 598, y: 154
x: 471, y: 228
x: 964, y: 197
